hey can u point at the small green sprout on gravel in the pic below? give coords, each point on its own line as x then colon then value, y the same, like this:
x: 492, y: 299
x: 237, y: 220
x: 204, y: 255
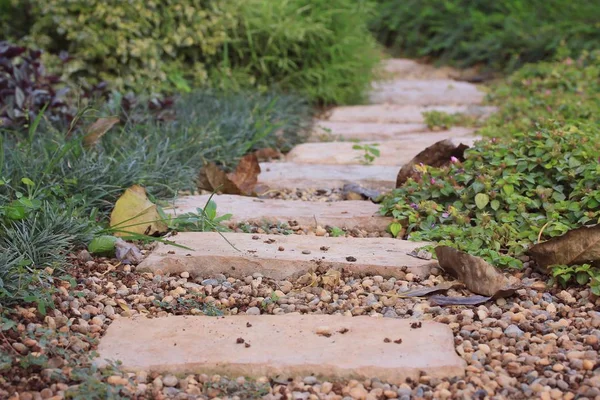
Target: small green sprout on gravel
x: 370, y: 152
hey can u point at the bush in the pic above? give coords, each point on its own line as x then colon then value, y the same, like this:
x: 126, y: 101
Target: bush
x: 536, y: 178
x: 499, y: 34
x: 319, y: 48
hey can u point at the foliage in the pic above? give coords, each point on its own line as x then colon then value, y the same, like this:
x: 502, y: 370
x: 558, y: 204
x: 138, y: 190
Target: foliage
x: 499, y: 34
x: 204, y: 220
x: 527, y: 183
x: 369, y: 152
x: 26, y: 89
x: 580, y: 274
x: 321, y: 48
x: 439, y: 120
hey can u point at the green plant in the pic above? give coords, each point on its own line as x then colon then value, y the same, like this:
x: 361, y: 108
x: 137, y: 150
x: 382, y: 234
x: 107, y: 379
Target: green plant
x: 336, y: 232
x: 438, y: 120
x: 370, y: 152
x: 583, y: 274
x: 501, y: 34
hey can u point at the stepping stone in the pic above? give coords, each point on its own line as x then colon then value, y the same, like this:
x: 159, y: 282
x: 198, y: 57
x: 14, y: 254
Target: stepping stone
x: 393, y: 152
x: 285, y: 175
x: 424, y: 92
x: 209, y: 253
x: 410, y: 69
x: 283, y: 346
x: 343, y: 214
x: 364, y: 131
x: 399, y: 114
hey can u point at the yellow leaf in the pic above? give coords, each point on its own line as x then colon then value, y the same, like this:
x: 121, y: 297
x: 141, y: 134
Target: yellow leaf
x: 134, y: 213
x: 331, y: 278
x: 95, y: 131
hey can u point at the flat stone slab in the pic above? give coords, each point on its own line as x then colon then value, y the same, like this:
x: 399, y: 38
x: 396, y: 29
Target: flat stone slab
x: 364, y: 131
x: 399, y: 114
x: 283, y: 346
x: 425, y: 92
x: 285, y: 175
x: 284, y: 256
x: 343, y: 214
x: 410, y: 69
x: 392, y: 152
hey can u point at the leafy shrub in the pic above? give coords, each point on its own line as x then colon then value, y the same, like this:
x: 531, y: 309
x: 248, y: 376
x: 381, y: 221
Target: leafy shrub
x: 500, y: 34
x: 320, y: 48
x: 536, y: 178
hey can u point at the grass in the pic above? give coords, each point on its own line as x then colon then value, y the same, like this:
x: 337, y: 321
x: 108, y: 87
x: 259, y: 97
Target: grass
x: 56, y: 193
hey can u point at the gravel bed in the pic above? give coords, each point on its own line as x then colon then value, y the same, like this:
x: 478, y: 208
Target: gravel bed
x: 540, y: 343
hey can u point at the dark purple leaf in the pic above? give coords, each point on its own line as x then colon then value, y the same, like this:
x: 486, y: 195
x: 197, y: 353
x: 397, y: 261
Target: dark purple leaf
x: 10, y: 51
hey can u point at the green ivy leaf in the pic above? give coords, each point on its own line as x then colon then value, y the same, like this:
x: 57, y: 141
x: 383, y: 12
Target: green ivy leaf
x: 481, y: 200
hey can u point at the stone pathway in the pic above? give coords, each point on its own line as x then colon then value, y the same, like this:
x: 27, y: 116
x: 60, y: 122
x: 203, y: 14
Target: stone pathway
x: 338, y: 347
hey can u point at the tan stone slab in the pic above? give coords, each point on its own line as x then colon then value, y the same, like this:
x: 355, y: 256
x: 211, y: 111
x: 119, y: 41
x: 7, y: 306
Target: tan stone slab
x: 283, y: 346
x: 399, y: 114
x: 208, y: 254
x: 411, y: 69
x: 425, y: 92
x: 285, y: 175
x: 343, y: 214
x: 365, y: 131
x: 393, y: 152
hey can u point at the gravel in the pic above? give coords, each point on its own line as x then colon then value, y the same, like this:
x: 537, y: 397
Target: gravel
x: 538, y: 343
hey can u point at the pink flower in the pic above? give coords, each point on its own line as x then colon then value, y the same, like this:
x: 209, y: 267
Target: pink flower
x: 453, y: 160
x: 432, y: 181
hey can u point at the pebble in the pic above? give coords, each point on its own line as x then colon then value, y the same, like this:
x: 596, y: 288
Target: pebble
x: 253, y: 311
x: 513, y: 331
x: 170, y: 380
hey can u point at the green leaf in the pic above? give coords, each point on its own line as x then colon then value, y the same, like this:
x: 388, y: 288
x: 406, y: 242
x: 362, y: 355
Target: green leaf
x: 495, y: 204
x: 27, y: 182
x: 508, y: 189
x: 211, y: 210
x: 103, y: 245
x: 481, y: 200
x: 582, y: 278
x: 395, y: 228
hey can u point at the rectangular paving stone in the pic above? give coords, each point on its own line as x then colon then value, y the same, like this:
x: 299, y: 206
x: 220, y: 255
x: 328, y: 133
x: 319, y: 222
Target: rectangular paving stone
x: 285, y: 175
x: 283, y: 346
x: 399, y: 114
x: 343, y: 214
x: 364, y: 131
x: 208, y: 253
x: 393, y: 152
x: 425, y: 92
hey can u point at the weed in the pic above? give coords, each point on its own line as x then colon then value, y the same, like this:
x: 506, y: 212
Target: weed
x: 336, y: 232
x: 369, y: 152
x: 437, y: 120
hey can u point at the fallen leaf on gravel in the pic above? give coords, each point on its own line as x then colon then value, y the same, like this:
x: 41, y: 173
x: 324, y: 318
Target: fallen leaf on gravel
x: 135, y: 214
x: 242, y: 181
x: 123, y: 305
x: 128, y: 253
x: 95, y: 131
x: 436, y: 155
x: 456, y: 301
x: 478, y: 276
x: 578, y: 246
x: 353, y: 191
x: 331, y: 278
x: 424, y: 291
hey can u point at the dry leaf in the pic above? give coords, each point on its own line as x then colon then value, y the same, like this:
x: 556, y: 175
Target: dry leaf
x: 242, y: 181
x: 428, y: 290
x: 478, y: 276
x: 456, y: 301
x: 267, y: 154
x: 134, y: 213
x: 95, y: 131
x: 436, y: 155
x: 353, y: 191
x: 578, y: 246
x: 331, y: 278
x: 128, y: 253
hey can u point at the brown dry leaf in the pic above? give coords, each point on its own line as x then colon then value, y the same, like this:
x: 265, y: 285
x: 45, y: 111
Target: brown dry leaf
x: 436, y: 155
x: 95, y: 131
x: 578, y: 246
x: 457, y: 301
x: 268, y: 153
x: 478, y: 276
x: 428, y: 290
x: 134, y: 213
x: 242, y: 181
x: 331, y: 278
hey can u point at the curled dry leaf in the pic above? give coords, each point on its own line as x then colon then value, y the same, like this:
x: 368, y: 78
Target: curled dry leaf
x: 578, y: 246
x: 128, y: 253
x: 436, y: 155
x: 424, y: 291
x: 331, y: 278
x: 353, y: 191
x: 478, y: 275
x: 95, y: 131
x: 457, y: 301
x: 134, y: 213
x: 242, y: 181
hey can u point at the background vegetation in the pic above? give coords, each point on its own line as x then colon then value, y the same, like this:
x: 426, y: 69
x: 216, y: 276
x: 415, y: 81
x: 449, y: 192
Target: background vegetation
x: 502, y: 34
